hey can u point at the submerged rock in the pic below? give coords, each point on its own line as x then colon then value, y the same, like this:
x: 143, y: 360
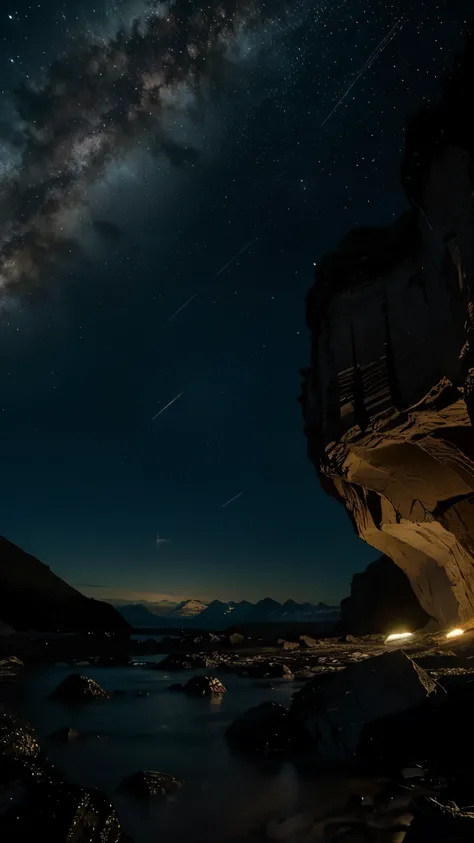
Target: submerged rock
x: 77, y: 689
x: 335, y: 709
x: 204, y: 686
x: 267, y: 730
x: 148, y: 783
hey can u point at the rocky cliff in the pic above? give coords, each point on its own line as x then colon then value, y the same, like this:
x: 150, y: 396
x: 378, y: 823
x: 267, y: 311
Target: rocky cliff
x: 382, y: 601
x: 388, y: 398
x: 32, y: 597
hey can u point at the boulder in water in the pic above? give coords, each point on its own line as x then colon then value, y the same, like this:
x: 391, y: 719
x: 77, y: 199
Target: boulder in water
x: 204, y: 686
x: 77, y: 689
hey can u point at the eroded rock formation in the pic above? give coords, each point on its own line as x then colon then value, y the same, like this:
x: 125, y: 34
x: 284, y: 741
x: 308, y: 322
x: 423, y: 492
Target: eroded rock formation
x: 382, y: 601
x: 389, y: 396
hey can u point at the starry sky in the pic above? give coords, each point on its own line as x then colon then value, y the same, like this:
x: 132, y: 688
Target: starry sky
x: 169, y: 175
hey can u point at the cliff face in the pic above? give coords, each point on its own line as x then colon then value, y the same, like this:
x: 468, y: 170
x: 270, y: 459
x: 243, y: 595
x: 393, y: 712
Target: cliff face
x: 388, y: 399
x: 382, y: 601
x: 32, y: 597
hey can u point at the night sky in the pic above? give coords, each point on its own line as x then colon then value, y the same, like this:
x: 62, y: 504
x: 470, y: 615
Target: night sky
x: 134, y: 166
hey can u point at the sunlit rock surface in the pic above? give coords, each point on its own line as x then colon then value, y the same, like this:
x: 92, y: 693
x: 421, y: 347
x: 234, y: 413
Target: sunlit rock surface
x: 388, y: 398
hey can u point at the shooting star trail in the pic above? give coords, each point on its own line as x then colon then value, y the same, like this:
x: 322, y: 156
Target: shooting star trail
x: 231, y: 499
x: 368, y: 64
x: 182, y: 307
x: 243, y: 249
x: 168, y: 405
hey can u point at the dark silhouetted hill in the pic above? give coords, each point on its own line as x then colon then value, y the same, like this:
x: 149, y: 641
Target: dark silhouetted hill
x: 32, y: 597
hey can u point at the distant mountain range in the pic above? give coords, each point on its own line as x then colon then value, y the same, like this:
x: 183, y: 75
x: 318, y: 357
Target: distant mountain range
x: 220, y: 615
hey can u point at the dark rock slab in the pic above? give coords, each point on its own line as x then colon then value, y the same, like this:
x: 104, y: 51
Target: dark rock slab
x: 335, y: 709
x: 146, y: 784
x: 266, y: 730
x: 78, y: 689
x: 434, y: 822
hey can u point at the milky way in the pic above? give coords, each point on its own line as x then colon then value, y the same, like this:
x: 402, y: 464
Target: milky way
x: 92, y: 107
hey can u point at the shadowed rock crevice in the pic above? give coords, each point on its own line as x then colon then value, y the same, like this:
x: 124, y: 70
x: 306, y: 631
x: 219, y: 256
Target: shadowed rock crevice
x: 382, y: 601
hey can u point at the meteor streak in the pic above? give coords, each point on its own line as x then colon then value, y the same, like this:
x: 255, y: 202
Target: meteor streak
x: 167, y: 405
x: 368, y: 64
x: 231, y: 499
x: 243, y: 249
x: 182, y: 307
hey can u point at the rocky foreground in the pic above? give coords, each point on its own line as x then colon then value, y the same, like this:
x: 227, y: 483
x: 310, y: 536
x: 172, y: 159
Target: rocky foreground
x: 400, y: 718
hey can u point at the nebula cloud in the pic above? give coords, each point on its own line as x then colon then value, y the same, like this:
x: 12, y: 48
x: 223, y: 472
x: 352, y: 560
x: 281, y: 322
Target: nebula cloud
x: 93, y: 106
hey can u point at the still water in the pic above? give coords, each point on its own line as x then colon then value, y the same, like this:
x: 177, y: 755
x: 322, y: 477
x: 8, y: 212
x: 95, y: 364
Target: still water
x: 223, y: 798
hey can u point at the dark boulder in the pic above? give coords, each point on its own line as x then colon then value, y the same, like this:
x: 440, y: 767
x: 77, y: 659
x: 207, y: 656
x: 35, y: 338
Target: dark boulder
x: 381, y: 601
x: 78, y: 689
x: 335, y: 710
x: 265, y: 730
x: 148, y: 783
x: 37, y: 804
x: 437, y: 734
x: 204, y: 686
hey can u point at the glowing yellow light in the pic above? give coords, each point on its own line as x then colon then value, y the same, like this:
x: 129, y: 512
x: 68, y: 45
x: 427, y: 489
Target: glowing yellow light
x: 455, y: 633
x: 398, y: 636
